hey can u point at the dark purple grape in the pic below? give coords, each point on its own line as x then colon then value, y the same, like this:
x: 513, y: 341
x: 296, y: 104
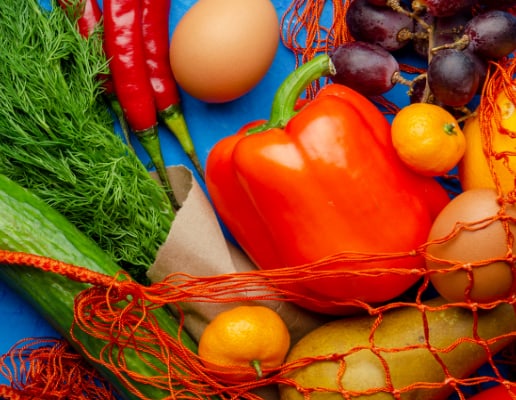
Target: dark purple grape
x: 378, y: 25
x: 452, y: 77
x: 498, y: 4
x: 385, y: 3
x: 446, y: 30
x: 365, y: 67
x: 380, y: 3
x: 446, y: 8
x: 481, y: 67
x: 449, y: 29
x: 492, y: 34
x: 420, y: 39
x: 416, y: 92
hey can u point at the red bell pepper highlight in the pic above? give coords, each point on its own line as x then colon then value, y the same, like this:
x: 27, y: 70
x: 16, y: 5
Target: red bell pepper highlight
x: 88, y: 15
x: 498, y: 392
x: 125, y: 50
x: 155, y: 27
x: 324, y: 180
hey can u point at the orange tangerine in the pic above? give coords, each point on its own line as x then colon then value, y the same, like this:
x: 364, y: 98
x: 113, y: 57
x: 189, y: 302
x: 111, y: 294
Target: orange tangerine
x: 474, y: 171
x: 427, y: 138
x: 242, y: 342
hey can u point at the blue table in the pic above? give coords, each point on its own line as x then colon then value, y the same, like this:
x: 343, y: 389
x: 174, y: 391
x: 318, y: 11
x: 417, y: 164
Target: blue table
x: 207, y: 123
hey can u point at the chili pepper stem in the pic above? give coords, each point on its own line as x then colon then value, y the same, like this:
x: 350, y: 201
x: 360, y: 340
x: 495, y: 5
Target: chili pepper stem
x: 175, y: 121
x: 119, y: 113
x: 283, y: 104
x: 149, y: 140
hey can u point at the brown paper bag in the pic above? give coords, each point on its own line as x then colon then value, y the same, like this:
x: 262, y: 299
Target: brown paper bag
x: 196, y: 245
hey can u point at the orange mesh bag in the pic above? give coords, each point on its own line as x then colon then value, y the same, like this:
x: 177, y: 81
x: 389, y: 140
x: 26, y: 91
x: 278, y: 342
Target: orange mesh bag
x: 411, y: 346
x: 50, y: 368
x: 427, y: 347
x: 423, y: 344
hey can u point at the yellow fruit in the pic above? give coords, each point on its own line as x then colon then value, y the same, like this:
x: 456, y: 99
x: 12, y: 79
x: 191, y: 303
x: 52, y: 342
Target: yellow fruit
x: 427, y: 138
x: 244, y: 341
x: 474, y: 171
x: 353, y: 364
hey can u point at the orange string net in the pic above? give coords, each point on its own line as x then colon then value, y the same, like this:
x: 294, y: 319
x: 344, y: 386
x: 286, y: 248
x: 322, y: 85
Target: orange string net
x: 49, y: 368
x: 116, y: 311
x: 303, y: 34
x: 500, y: 79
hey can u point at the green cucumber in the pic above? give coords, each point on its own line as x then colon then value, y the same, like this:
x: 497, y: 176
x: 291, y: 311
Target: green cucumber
x: 29, y: 225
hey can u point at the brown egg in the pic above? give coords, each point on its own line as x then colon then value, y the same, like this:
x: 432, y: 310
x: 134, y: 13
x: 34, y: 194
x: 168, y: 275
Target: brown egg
x: 481, y: 243
x: 221, y: 49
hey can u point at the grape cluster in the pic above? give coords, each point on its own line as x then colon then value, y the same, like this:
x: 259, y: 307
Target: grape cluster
x: 457, y: 39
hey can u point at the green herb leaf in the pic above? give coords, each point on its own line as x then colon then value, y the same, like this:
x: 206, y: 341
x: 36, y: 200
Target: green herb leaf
x: 57, y: 138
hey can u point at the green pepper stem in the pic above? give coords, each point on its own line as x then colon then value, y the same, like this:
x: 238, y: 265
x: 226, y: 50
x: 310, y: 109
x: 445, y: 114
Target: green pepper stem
x: 149, y: 140
x: 284, y: 102
x: 175, y: 121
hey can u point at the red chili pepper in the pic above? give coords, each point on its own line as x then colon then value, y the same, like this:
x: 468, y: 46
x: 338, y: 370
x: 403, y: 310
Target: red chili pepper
x: 124, y: 48
x: 155, y: 27
x: 88, y: 15
x: 311, y: 184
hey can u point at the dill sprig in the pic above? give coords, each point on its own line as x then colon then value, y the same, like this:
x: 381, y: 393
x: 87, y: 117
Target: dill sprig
x: 57, y: 138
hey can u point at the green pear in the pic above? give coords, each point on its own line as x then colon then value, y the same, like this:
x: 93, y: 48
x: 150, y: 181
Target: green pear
x: 398, y: 355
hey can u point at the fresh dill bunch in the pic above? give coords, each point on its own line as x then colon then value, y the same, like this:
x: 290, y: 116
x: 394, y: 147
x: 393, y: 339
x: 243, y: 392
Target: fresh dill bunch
x: 57, y: 137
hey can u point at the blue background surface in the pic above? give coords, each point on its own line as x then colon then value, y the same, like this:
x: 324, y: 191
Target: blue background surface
x: 207, y: 123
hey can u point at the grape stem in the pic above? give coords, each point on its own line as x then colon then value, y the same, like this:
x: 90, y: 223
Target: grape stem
x: 459, y: 44
x: 467, y: 114
x: 418, y: 6
x: 405, y: 34
x: 396, y: 6
x: 427, y: 93
x: 428, y: 31
x: 414, y: 81
x: 398, y: 78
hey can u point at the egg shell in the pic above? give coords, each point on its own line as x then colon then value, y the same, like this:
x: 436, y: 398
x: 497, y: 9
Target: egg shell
x: 481, y: 243
x: 221, y: 49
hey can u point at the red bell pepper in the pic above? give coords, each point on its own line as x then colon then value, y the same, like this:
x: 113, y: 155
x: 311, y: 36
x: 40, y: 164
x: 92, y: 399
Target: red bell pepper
x: 498, y: 392
x: 310, y: 184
